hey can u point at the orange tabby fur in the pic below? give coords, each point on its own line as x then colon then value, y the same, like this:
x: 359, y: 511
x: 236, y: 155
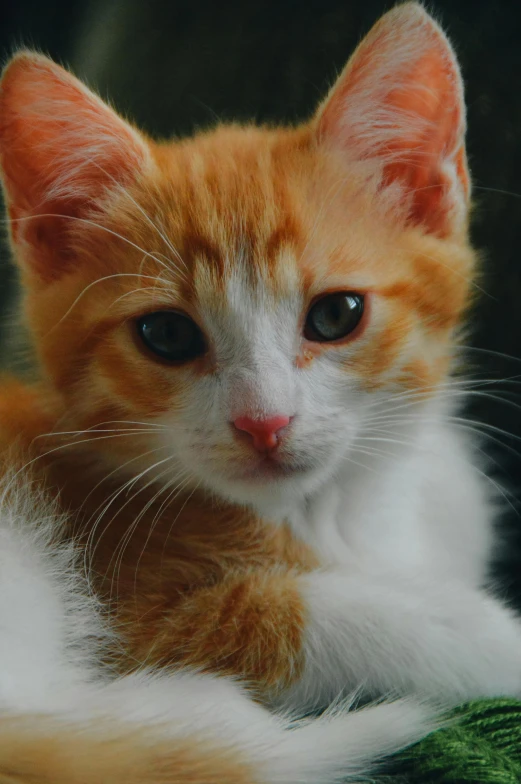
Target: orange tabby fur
x: 39, y: 751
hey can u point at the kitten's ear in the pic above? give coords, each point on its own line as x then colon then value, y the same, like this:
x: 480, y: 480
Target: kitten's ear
x: 61, y: 151
x: 399, y: 102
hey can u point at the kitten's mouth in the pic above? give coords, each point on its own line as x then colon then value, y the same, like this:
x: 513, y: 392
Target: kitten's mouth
x: 269, y: 467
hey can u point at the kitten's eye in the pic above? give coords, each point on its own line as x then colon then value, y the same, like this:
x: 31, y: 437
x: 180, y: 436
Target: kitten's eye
x: 171, y: 336
x: 334, y: 316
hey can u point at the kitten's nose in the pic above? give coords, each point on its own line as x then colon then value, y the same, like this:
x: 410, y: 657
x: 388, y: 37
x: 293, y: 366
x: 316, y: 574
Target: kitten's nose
x: 265, y: 432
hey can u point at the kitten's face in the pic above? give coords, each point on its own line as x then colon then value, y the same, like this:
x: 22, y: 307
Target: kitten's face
x: 251, y: 297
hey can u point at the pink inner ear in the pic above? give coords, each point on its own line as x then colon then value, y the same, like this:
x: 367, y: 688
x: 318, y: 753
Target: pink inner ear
x: 400, y: 102
x: 419, y: 159
x: 61, y: 148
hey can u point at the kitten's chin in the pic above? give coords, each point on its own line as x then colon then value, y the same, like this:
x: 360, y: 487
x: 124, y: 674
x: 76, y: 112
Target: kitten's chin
x: 269, y: 487
x: 268, y: 471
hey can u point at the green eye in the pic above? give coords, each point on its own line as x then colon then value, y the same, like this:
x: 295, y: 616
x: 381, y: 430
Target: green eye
x: 334, y: 316
x: 171, y: 336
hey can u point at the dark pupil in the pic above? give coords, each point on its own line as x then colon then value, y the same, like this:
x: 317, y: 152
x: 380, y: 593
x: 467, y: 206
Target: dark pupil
x: 171, y: 336
x: 334, y: 316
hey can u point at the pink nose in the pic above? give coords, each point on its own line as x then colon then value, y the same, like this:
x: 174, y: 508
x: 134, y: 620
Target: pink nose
x: 265, y: 432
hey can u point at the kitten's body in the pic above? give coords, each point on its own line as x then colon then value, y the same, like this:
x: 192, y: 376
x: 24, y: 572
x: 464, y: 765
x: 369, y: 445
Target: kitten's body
x: 64, y: 718
x: 347, y: 548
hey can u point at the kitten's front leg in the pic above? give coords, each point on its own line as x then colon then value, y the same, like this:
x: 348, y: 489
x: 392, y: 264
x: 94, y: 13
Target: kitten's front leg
x: 304, y: 639
x: 443, y: 641
x: 249, y: 625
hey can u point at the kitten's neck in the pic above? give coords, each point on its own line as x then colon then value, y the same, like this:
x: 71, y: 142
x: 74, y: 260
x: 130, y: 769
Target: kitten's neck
x: 331, y: 517
x: 395, y: 506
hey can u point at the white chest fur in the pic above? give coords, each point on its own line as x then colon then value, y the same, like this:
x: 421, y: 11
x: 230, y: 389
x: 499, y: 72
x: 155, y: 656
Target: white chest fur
x: 426, y: 509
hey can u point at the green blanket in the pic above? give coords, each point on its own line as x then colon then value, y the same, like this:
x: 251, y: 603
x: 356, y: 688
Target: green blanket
x: 482, y: 747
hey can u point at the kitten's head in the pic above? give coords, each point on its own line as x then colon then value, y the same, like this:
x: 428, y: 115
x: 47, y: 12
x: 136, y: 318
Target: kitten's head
x: 251, y: 295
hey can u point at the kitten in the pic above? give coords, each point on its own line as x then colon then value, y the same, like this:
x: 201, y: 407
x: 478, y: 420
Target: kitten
x: 64, y: 719
x: 245, y: 343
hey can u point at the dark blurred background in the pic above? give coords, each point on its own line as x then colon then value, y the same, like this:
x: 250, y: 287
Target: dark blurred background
x: 177, y: 65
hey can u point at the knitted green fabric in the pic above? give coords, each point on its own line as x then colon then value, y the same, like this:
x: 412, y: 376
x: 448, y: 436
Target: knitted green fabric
x: 483, y: 746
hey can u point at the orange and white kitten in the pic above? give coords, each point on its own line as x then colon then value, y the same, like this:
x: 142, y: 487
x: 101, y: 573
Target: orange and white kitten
x: 245, y: 342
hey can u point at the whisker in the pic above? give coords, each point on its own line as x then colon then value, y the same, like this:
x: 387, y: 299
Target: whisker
x: 105, y: 478
x: 459, y: 274
x: 129, y: 533
x: 114, y: 496
x: 69, y: 444
x: 143, y: 212
x: 492, y: 352
x: 172, y: 495
x: 451, y: 419
x: 87, y: 222
x: 130, y: 530
x: 500, y: 191
x: 94, y: 431
x: 95, y: 283
x: 419, y: 397
x: 371, y: 452
x: 174, y: 521
x: 130, y: 422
